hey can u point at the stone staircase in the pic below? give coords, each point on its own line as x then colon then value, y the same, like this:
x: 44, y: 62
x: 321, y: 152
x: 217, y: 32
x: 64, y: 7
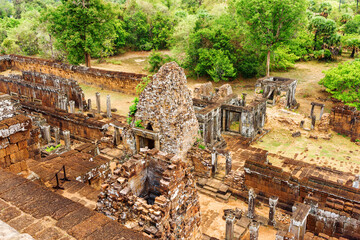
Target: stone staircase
x: 214, y: 188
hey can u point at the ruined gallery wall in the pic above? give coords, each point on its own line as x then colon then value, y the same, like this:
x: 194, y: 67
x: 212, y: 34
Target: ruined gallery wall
x: 253, y: 118
x: 14, y: 137
x: 79, y: 125
x: 346, y: 120
x: 68, y: 87
x: 14, y: 84
x: 110, y: 80
x: 337, y: 205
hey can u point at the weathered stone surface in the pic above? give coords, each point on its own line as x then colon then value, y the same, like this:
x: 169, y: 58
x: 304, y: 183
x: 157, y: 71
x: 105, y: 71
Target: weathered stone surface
x: 167, y: 107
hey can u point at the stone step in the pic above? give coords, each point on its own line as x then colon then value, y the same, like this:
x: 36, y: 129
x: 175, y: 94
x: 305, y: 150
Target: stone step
x: 207, y: 192
x: 224, y: 197
x: 214, y: 190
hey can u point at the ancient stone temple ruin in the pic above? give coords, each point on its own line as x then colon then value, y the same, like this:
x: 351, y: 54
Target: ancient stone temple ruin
x: 223, y: 111
x: 278, y: 89
x: 165, y: 111
x: 184, y: 166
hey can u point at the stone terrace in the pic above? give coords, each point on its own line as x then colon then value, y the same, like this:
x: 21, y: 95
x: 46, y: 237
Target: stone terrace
x: 32, y: 209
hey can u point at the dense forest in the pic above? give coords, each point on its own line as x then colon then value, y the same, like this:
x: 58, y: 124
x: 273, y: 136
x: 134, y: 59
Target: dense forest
x: 214, y: 38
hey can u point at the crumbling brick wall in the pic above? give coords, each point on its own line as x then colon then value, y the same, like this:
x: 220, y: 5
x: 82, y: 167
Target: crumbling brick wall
x: 346, y: 120
x: 156, y: 193
x: 110, y: 80
x: 14, y: 137
x: 337, y: 204
x: 78, y: 124
x: 201, y: 160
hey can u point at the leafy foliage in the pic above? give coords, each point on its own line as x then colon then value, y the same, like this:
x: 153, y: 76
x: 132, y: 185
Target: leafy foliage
x: 138, y: 123
x: 156, y: 60
x: 133, y: 108
x: 344, y: 82
x: 271, y: 22
x: 83, y: 28
x: 142, y: 85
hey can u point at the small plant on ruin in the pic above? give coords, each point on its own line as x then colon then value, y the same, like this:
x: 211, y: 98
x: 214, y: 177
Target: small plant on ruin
x: 142, y: 85
x: 202, y: 146
x: 133, y: 108
x: 52, y: 148
x: 357, y: 140
x: 138, y: 124
x: 129, y: 120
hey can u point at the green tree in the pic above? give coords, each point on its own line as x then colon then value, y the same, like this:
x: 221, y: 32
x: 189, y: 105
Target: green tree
x: 343, y: 82
x: 353, y: 42
x: 6, y: 8
x: 83, y: 28
x: 271, y: 22
x: 323, y: 29
x: 353, y: 26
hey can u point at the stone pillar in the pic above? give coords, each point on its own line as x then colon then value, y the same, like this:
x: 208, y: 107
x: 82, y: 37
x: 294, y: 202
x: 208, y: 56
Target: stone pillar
x: 228, y: 164
x: 81, y: 102
x: 313, y: 121
x: 321, y: 112
x: 108, y: 106
x: 98, y: 102
x: 72, y: 106
x: 57, y: 135
x: 251, y: 205
x: 272, y: 204
x: 89, y: 105
x: 302, y: 124
x: 244, y: 99
x: 229, y: 234
x: 312, y: 110
x: 214, y: 162
x: 356, y: 182
x: 65, y: 104
x: 254, y: 230
x: 116, y: 136
x: 66, y: 134
x: 47, y: 136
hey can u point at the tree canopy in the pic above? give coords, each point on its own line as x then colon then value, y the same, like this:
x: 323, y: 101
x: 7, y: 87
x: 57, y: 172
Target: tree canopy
x: 271, y: 22
x: 83, y: 28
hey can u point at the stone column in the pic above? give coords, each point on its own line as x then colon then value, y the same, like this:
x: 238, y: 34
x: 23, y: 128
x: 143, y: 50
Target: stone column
x: 108, y: 106
x: 47, y: 136
x: 312, y: 110
x: 272, y: 204
x: 229, y: 234
x: 321, y: 112
x: 356, y: 182
x: 244, y: 99
x: 72, y: 106
x: 251, y: 206
x: 116, y: 136
x: 98, y: 102
x: 81, y: 102
x: 228, y: 164
x: 89, y: 105
x: 57, y: 135
x: 66, y: 134
x: 302, y: 124
x: 254, y: 230
x: 313, y: 121
x: 65, y: 104
x: 214, y: 162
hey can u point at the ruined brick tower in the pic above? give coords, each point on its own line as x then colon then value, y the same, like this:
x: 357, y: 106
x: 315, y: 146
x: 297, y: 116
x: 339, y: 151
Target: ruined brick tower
x: 166, y: 108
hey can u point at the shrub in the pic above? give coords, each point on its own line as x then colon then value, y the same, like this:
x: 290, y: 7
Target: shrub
x: 142, y: 85
x: 133, y: 108
x: 138, y: 123
x: 343, y: 82
x: 201, y: 146
x: 156, y: 60
x: 283, y: 59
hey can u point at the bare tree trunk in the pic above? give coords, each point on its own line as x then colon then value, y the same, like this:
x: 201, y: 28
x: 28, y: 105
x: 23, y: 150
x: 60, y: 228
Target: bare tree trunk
x: 268, y: 64
x: 357, y: 6
x: 88, y: 60
x: 353, y: 53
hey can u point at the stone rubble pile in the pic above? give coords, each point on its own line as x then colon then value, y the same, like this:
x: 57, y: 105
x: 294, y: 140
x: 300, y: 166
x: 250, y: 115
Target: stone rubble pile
x: 153, y: 192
